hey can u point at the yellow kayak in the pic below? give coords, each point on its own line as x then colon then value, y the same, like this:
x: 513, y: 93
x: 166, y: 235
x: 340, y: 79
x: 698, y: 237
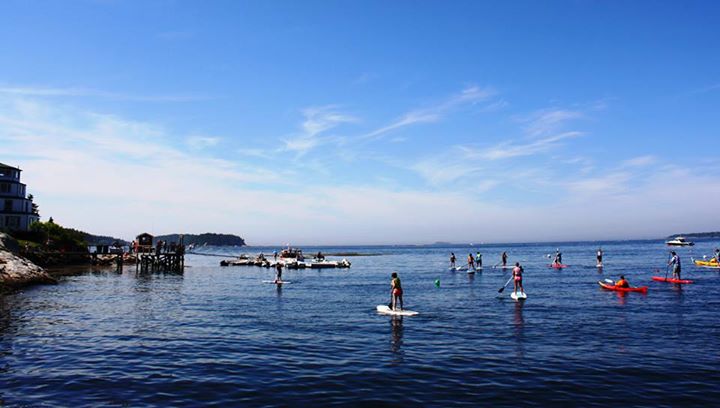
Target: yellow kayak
x: 708, y: 264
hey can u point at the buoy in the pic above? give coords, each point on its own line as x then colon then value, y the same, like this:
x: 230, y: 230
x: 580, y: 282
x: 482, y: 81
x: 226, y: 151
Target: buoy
x: 437, y: 282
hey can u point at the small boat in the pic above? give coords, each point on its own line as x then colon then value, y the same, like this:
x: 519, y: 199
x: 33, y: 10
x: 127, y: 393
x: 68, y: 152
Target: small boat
x: 608, y: 286
x: 679, y: 241
x: 712, y: 263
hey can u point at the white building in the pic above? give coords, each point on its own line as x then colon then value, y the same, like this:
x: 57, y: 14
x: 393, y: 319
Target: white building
x: 16, y: 212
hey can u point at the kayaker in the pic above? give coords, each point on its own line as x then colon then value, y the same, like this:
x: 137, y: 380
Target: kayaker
x: 517, y: 278
x: 396, y: 291
x: 278, y: 272
x: 471, y: 262
x: 717, y: 255
x: 478, y: 260
x: 622, y: 283
x: 599, y: 256
x: 504, y: 258
x: 675, y: 263
x: 452, y: 260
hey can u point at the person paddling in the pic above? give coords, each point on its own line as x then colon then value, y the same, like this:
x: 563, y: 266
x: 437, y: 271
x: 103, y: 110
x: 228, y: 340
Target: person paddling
x: 396, y: 291
x: 452, y: 260
x: 517, y: 278
x: 478, y: 260
x: 675, y: 263
x: 471, y: 262
x: 599, y: 256
x: 278, y: 272
x: 717, y: 255
x: 622, y: 283
x: 504, y: 258
x: 558, y: 257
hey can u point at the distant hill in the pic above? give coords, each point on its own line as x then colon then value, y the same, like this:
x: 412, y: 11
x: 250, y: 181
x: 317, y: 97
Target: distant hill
x: 202, y: 239
x: 698, y: 235
x: 101, y: 239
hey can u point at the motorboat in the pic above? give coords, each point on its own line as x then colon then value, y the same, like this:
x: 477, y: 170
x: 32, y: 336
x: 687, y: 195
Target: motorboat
x: 679, y: 241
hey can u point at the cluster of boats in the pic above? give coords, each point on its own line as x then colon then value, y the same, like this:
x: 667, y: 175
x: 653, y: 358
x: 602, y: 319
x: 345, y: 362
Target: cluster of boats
x: 291, y: 258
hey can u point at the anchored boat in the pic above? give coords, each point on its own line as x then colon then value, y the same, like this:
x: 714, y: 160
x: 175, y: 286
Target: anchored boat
x: 679, y: 241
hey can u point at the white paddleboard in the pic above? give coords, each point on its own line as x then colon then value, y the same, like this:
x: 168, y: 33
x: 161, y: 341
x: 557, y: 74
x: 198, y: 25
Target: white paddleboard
x: 503, y: 267
x: 384, y: 309
x: 277, y: 283
x: 599, y: 265
x: 518, y: 295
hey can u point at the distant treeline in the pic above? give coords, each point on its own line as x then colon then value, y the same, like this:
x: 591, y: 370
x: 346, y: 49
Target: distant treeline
x: 698, y: 235
x: 202, y: 239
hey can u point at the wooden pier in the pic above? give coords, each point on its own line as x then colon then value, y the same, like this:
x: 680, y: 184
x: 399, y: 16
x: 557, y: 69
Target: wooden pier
x: 160, y: 257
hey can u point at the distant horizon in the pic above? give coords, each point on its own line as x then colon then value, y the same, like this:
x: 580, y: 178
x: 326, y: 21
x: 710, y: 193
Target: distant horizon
x: 366, y: 122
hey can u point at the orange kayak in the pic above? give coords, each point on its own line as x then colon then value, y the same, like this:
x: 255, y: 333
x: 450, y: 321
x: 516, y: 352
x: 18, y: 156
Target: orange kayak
x: 604, y: 285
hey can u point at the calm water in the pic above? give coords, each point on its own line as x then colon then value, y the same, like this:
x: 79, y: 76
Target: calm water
x: 220, y: 337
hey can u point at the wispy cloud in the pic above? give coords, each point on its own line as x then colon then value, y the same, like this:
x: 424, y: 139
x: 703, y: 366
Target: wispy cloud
x: 202, y: 142
x: 549, y: 121
x: 507, y: 150
x: 469, y: 95
x: 640, y: 161
x: 34, y: 91
x: 318, y: 120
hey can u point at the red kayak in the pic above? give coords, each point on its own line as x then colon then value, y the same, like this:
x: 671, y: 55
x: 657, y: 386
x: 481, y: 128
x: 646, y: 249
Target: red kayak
x: 604, y: 285
x: 671, y: 280
x: 558, y: 266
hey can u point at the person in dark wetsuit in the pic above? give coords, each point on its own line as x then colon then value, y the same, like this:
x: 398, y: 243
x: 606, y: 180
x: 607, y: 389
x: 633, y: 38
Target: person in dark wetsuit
x: 504, y: 258
x: 452, y: 260
x: 278, y: 272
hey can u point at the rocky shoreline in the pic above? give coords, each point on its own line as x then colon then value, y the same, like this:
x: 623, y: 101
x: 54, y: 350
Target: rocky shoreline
x: 16, y: 271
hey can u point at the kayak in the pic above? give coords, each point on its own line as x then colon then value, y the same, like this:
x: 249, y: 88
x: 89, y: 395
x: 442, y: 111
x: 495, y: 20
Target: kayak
x: 671, y: 280
x: 707, y: 264
x: 604, y: 285
x: 558, y: 266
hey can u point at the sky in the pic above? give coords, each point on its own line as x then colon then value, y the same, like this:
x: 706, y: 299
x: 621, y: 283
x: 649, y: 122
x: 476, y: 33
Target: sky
x: 372, y: 122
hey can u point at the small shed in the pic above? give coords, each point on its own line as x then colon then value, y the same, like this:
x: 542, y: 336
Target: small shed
x: 144, y: 239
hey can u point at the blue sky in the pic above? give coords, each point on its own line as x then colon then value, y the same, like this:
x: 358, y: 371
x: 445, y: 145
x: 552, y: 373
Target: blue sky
x: 366, y: 122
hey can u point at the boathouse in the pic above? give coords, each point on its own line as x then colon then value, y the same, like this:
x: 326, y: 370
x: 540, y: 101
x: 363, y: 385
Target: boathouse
x: 16, y: 210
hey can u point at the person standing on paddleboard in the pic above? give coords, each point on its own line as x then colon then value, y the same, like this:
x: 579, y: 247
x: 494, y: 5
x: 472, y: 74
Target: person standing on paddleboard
x: 278, y: 272
x: 471, y: 262
x: 504, y: 258
x: 599, y: 256
x: 396, y: 291
x: 452, y: 260
x: 517, y: 278
x: 675, y: 263
x: 478, y: 260
x: 558, y: 257
x: 717, y: 255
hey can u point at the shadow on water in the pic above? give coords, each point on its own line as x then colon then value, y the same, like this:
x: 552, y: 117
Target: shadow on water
x: 396, y: 339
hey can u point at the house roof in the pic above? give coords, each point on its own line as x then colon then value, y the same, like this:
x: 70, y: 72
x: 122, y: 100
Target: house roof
x: 3, y: 165
x: 144, y: 234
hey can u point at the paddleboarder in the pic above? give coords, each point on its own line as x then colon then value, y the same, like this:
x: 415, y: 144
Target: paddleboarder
x: 278, y: 272
x: 599, y: 256
x: 517, y: 278
x: 622, y: 283
x: 558, y: 257
x: 717, y: 255
x: 504, y: 258
x: 478, y: 260
x: 675, y: 263
x: 452, y: 260
x: 396, y: 291
x: 471, y: 262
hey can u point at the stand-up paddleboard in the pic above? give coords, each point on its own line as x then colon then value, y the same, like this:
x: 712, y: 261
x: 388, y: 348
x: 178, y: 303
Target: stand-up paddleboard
x: 461, y: 268
x: 599, y: 265
x: 671, y: 280
x: 384, y: 309
x: 277, y: 282
x: 518, y: 295
x: 557, y: 266
x: 503, y: 267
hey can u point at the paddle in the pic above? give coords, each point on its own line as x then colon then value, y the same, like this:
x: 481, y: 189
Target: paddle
x: 506, y: 283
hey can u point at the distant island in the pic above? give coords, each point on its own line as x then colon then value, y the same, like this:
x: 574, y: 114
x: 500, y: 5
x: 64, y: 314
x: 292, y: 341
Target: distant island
x: 698, y: 235
x: 204, y: 239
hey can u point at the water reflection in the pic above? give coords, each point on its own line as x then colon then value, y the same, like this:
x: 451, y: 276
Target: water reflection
x: 396, y: 340
x: 519, y: 326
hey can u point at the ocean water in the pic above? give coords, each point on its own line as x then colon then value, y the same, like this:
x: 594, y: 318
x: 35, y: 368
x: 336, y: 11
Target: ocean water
x: 218, y: 336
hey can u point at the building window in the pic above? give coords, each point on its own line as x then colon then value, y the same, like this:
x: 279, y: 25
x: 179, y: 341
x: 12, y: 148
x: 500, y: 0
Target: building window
x: 8, y: 205
x: 4, y: 187
x: 12, y: 221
